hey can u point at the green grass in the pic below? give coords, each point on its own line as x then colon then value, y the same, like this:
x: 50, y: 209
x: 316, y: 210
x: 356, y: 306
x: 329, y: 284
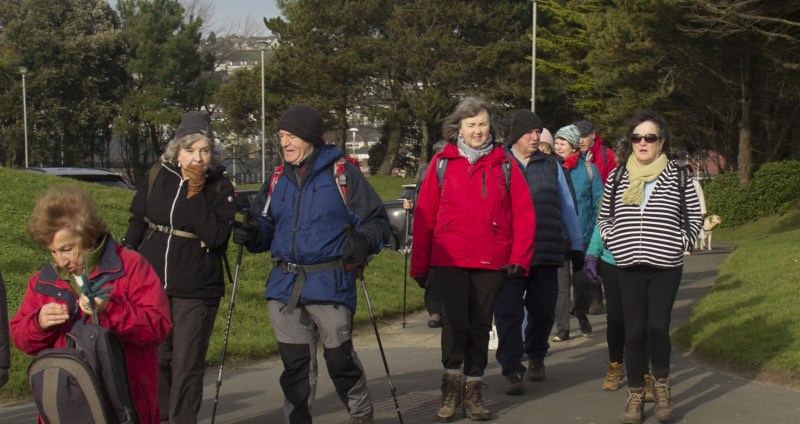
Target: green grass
x: 251, y: 335
x: 749, y: 317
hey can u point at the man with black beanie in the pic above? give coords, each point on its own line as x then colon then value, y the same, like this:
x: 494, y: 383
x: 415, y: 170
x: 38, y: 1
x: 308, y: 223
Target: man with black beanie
x: 536, y: 292
x: 321, y: 220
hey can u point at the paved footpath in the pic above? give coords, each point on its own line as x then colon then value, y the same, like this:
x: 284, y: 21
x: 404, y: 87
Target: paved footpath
x: 571, y: 394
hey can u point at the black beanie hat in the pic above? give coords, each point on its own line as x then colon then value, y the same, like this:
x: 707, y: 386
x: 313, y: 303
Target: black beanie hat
x: 523, y: 121
x: 303, y: 121
x: 195, y: 122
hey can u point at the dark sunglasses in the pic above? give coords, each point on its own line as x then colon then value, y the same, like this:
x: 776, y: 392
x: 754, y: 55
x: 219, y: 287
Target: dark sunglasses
x: 650, y: 138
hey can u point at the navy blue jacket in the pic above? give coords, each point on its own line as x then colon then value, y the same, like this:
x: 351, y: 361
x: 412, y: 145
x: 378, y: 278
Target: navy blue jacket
x: 303, y: 226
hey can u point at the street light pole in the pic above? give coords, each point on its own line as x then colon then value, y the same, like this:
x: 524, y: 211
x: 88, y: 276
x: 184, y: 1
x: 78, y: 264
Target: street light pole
x: 533, y: 62
x: 23, y: 70
x: 354, y: 130
x: 263, y: 145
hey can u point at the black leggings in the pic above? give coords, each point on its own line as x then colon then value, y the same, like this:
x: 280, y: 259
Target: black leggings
x: 615, y: 334
x: 648, y: 294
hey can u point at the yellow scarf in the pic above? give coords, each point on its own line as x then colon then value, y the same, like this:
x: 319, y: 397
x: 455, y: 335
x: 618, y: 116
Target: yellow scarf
x: 639, y: 175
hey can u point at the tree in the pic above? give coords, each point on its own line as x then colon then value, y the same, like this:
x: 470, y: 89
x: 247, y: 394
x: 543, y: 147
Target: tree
x: 163, y: 77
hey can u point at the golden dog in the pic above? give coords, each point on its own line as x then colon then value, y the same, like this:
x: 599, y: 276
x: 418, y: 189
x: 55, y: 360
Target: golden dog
x: 704, y: 238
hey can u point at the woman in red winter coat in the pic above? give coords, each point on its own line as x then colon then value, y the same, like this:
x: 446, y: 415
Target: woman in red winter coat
x: 471, y: 230
x: 66, y: 223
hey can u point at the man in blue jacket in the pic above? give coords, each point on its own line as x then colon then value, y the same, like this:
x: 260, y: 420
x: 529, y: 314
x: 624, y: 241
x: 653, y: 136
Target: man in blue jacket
x: 555, y: 218
x: 321, y: 220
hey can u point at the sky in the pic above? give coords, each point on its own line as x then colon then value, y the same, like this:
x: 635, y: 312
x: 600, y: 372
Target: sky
x: 231, y: 14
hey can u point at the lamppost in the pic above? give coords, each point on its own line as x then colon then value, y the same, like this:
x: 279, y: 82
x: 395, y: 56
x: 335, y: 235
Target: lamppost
x: 354, y: 130
x: 533, y: 62
x: 263, y: 146
x: 23, y: 70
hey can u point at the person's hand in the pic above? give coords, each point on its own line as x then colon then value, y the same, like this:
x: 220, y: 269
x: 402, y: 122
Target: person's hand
x: 247, y: 233
x: 99, y: 305
x: 356, y: 250
x: 52, y: 314
x: 3, y: 376
x: 576, y: 256
x: 197, y: 179
x: 408, y: 204
x: 422, y: 281
x: 591, y: 269
x: 513, y: 270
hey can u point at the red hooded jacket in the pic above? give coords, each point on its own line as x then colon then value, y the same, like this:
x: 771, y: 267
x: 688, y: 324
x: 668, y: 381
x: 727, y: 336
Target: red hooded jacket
x: 605, y: 164
x: 137, y: 312
x: 476, y: 221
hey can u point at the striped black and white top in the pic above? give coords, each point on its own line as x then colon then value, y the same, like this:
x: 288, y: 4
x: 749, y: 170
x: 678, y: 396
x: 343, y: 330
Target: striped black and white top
x: 655, y: 236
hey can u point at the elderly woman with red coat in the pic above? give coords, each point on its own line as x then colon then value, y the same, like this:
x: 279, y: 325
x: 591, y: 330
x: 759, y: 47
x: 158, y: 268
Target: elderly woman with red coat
x: 66, y: 223
x: 472, y: 229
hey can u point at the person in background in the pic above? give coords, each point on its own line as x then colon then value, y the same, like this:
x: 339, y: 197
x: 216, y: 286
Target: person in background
x: 319, y: 238
x: 535, y: 293
x: 562, y: 312
x: 546, y: 143
x: 66, y: 223
x: 5, y: 344
x: 180, y: 222
x: 588, y: 191
x: 472, y: 230
x: 432, y: 305
x: 594, y: 148
x: 647, y: 210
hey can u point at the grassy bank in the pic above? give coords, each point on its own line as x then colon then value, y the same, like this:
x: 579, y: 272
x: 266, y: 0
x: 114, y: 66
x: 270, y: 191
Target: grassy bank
x: 749, y: 317
x: 251, y: 334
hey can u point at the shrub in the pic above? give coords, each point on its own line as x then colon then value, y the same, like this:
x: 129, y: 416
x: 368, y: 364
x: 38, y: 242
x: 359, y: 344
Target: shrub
x: 774, y: 189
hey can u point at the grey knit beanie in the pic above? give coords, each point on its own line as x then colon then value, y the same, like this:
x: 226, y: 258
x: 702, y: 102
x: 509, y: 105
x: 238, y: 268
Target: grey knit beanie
x: 305, y: 122
x: 571, y: 134
x: 195, y: 122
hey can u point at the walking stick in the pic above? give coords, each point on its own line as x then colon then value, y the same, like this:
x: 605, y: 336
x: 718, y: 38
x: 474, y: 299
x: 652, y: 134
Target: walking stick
x: 231, y: 305
x: 405, y: 271
x: 360, y: 274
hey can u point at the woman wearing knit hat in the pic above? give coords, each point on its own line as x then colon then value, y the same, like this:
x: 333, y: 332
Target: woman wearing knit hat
x: 546, y: 144
x: 318, y: 240
x: 180, y: 224
x: 588, y: 192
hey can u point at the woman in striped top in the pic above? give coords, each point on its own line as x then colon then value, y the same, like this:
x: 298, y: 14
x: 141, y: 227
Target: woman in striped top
x: 646, y: 232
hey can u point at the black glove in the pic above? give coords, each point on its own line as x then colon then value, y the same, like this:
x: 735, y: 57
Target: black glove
x: 576, y: 256
x: 3, y: 376
x: 422, y: 281
x: 247, y: 233
x: 356, y: 250
x: 513, y: 270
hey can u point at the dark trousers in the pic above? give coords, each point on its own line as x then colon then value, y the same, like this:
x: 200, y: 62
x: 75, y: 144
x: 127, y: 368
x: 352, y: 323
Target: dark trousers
x: 540, y: 291
x: 432, y: 304
x: 182, y: 358
x: 615, y: 333
x: 582, y: 290
x: 468, y: 297
x: 648, y: 294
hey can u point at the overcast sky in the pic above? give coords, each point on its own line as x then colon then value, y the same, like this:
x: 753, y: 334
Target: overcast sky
x: 231, y: 15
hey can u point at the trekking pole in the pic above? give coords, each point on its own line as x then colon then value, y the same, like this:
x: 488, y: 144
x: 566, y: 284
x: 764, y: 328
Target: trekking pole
x: 231, y: 305
x: 360, y: 274
x: 405, y: 271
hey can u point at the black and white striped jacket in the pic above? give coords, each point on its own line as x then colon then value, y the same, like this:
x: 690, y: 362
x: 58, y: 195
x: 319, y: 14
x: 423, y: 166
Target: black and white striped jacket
x: 653, y: 237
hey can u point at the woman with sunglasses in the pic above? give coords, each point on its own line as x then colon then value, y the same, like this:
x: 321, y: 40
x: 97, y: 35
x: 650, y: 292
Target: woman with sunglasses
x: 646, y: 234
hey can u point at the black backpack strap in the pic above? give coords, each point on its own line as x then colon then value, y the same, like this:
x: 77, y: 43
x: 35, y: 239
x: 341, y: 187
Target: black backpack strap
x: 683, y: 180
x: 617, y: 178
x: 441, y: 165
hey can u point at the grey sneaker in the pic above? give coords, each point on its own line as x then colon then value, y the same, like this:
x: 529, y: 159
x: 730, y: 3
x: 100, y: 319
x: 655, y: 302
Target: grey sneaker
x: 536, y: 370
x: 514, y: 385
x: 561, y: 336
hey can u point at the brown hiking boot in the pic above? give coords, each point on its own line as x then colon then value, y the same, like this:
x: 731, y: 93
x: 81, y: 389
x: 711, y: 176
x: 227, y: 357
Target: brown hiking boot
x: 451, y: 398
x: 664, y: 406
x: 634, y: 407
x: 648, y: 388
x: 614, y: 375
x: 473, y: 402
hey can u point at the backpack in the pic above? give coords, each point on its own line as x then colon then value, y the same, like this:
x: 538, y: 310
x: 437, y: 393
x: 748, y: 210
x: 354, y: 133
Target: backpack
x: 683, y: 178
x: 87, y: 381
x: 441, y: 166
x: 337, y: 173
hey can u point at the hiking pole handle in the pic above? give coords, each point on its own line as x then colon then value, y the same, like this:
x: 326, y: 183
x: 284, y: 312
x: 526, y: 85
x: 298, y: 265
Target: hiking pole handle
x: 231, y: 306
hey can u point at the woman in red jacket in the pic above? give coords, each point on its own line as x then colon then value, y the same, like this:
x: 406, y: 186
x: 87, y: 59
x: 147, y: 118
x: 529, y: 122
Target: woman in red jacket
x: 66, y: 223
x: 471, y: 230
